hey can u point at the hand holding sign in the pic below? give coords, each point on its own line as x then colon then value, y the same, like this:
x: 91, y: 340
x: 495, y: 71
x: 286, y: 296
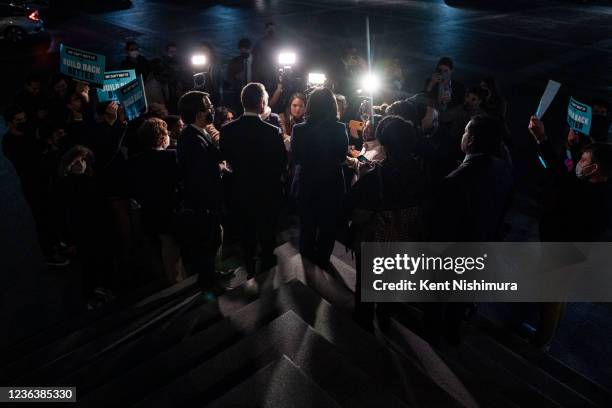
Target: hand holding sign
x: 536, y: 128
x: 549, y: 94
x: 111, y: 113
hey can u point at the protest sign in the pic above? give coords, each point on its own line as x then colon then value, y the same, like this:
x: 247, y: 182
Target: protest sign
x: 132, y: 98
x: 114, y: 80
x: 579, y: 116
x: 547, y: 97
x: 82, y: 65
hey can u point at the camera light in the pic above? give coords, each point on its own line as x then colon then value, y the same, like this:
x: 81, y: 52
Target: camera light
x: 316, y: 78
x: 370, y: 83
x: 198, y: 60
x: 286, y: 59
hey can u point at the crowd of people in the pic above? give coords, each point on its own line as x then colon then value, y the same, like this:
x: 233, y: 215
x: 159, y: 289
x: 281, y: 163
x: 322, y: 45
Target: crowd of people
x: 219, y: 164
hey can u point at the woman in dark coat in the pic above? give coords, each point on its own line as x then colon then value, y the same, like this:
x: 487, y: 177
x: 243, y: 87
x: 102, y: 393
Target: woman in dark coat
x: 319, y: 147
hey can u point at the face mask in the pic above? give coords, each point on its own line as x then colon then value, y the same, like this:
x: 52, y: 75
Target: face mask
x: 78, y: 168
x: 581, y: 172
x: 133, y: 54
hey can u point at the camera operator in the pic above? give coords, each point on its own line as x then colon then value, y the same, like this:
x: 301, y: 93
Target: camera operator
x: 447, y: 92
x: 264, y: 56
x: 240, y: 72
x: 288, y: 84
x: 213, y: 76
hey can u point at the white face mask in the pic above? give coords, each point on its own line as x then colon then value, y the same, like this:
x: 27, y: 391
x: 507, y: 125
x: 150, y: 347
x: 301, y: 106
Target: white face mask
x: 582, y: 173
x: 133, y: 54
x: 78, y: 167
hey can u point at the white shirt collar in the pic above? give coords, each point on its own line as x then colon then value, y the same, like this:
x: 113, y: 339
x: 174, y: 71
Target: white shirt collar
x: 251, y: 114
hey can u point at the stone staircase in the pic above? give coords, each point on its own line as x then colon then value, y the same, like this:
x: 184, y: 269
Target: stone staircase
x: 282, y: 339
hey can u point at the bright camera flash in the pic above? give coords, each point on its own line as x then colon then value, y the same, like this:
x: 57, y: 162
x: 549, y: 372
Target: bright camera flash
x: 286, y: 58
x: 198, y: 59
x: 370, y: 83
x: 316, y: 79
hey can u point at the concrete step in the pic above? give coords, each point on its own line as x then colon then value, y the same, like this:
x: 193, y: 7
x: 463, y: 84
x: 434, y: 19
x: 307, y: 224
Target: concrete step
x: 182, y: 329
x: 492, y: 374
x: 86, y: 326
x: 287, y: 335
x: 93, y: 338
x: 96, y: 358
x: 357, y: 346
x: 280, y: 384
x: 531, y: 373
x: 595, y: 393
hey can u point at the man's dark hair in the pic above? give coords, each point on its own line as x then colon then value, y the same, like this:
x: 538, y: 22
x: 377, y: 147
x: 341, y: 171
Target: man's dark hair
x: 171, y: 121
x: 244, y: 43
x: 487, y: 133
x: 251, y: 95
x: 221, y: 113
x: 404, y: 109
x: 420, y: 102
x: 398, y: 137
x: 601, y: 153
x: 321, y: 106
x: 11, y: 112
x: 129, y: 44
x: 445, y: 61
x: 190, y: 104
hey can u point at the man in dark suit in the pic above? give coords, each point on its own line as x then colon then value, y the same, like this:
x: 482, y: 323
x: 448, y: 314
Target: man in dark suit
x: 255, y: 151
x: 469, y: 206
x: 202, y: 192
x: 473, y: 199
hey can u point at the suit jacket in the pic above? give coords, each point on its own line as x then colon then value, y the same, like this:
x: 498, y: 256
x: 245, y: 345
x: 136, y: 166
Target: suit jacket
x: 257, y: 156
x: 319, y: 150
x: 471, y: 202
x: 199, y: 170
x: 153, y: 179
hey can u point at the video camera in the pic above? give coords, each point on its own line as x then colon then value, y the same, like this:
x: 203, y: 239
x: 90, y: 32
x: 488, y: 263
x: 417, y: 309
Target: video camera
x: 199, y: 63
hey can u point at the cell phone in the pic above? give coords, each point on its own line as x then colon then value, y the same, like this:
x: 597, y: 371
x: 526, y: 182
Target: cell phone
x: 363, y: 159
x: 356, y: 124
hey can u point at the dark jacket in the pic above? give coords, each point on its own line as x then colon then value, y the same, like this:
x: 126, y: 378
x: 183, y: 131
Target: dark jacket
x: 457, y: 93
x: 274, y: 120
x: 198, y: 160
x: 153, y: 179
x: 106, y: 142
x: 141, y: 66
x: 573, y: 210
x: 471, y: 202
x: 319, y: 150
x: 257, y: 156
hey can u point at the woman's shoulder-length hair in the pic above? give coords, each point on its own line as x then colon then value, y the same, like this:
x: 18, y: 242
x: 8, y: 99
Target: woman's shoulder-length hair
x: 321, y: 106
